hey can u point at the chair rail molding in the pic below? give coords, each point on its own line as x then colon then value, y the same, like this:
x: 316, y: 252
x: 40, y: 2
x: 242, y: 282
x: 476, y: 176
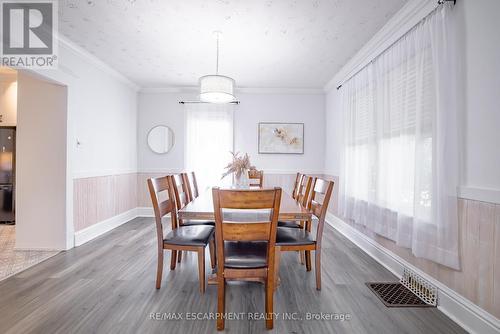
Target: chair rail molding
x: 480, y: 194
x: 462, y: 311
x: 101, y: 172
x: 241, y: 90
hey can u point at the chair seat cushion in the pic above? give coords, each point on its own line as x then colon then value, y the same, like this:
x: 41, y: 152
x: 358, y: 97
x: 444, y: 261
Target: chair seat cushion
x: 288, y: 224
x: 245, y: 254
x: 293, y: 236
x: 196, y: 235
x: 191, y: 222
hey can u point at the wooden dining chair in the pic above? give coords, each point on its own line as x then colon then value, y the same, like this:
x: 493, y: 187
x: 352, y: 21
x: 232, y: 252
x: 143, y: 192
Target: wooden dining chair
x: 298, y: 180
x: 180, y: 238
x: 180, y: 190
x: 182, y: 198
x: 301, y: 196
x: 245, y: 248
x: 192, y: 185
x: 254, y: 174
x: 294, y: 239
x: 302, y: 190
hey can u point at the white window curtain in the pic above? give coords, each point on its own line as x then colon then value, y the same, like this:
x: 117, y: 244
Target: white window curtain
x: 400, y: 172
x: 209, y: 141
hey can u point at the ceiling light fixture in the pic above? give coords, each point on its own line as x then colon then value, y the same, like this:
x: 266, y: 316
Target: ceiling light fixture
x: 217, y: 88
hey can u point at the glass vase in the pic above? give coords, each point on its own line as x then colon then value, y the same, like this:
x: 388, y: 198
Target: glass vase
x: 240, y: 181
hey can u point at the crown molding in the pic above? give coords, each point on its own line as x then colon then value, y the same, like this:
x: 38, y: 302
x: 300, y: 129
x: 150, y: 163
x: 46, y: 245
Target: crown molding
x: 398, y: 25
x: 90, y: 58
x: 239, y: 90
x: 280, y: 90
x: 169, y: 89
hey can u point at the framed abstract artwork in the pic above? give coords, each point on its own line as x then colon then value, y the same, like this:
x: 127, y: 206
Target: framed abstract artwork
x: 281, y: 138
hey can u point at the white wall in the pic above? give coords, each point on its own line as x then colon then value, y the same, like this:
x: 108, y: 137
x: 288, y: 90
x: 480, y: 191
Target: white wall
x: 334, y: 133
x: 163, y: 108
x: 481, y: 22
x: 480, y: 133
x: 294, y: 108
x: 101, y: 113
x: 8, y: 99
x: 41, y: 165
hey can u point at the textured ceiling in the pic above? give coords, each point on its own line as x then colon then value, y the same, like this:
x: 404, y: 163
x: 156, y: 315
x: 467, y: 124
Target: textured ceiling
x: 266, y: 43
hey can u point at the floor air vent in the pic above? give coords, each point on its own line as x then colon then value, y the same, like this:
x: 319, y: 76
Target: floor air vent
x: 411, y: 291
x: 396, y: 295
x: 419, y: 286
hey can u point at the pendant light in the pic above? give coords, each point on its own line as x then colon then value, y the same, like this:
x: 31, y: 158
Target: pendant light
x: 217, y: 88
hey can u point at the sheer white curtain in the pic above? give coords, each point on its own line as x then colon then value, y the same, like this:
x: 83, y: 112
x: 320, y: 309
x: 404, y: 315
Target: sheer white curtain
x: 400, y: 172
x: 209, y: 141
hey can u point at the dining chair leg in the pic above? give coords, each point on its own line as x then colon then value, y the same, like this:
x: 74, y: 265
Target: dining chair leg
x: 221, y: 301
x: 201, y: 269
x: 211, y: 248
x: 302, y: 257
x: 277, y: 258
x: 159, y: 269
x: 269, y: 301
x: 173, y: 259
x: 179, y: 256
x: 317, y: 265
x: 302, y: 253
x: 308, y: 260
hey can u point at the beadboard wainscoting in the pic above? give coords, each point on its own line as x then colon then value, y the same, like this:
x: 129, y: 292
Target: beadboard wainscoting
x: 102, y: 203
x: 479, y: 279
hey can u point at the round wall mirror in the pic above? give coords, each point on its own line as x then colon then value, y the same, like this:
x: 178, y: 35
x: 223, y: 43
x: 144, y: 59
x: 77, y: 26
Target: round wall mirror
x: 160, y: 139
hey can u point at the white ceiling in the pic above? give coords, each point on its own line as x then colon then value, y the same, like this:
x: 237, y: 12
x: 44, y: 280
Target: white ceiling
x: 266, y: 43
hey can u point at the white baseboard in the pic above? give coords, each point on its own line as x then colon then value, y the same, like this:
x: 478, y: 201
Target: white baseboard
x: 465, y: 313
x: 145, y: 212
x: 107, y: 225
x: 38, y: 249
x: 100, y: 228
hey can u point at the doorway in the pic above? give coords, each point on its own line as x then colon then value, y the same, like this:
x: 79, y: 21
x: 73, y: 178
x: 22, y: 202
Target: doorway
x: 32, y: 170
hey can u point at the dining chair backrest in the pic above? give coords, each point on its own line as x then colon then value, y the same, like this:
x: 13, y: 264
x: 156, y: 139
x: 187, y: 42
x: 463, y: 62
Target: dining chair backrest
x: 192, y: 185
x: 304, y: 190
x: 296, y: 185
x: 239, y: 229
x: 254, y: 174
x: 318, y: 202
x: 180, y: 190
x: 158, y: 188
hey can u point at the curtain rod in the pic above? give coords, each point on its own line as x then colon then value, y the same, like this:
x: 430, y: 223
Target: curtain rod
x: 189, y: 102
x: 440, y: 2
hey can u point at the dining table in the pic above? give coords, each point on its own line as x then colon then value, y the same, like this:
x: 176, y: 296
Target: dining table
x: 202, y: 208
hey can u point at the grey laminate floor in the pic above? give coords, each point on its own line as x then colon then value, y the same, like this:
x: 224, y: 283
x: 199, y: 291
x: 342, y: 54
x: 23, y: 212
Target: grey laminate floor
x: 107, y: 286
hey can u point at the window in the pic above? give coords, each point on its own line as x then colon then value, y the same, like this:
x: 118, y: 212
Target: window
x: 209, y: 141
x: 400, y: 159
x: 390, y: 112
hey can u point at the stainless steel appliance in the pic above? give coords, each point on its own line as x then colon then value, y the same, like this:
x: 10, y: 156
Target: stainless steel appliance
x: 7, y: 175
